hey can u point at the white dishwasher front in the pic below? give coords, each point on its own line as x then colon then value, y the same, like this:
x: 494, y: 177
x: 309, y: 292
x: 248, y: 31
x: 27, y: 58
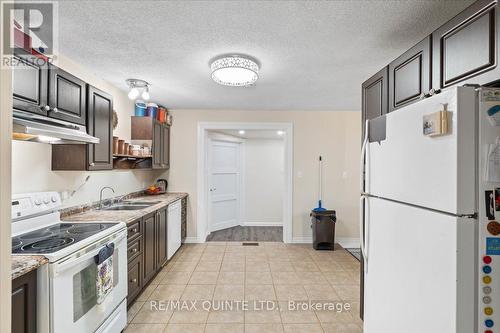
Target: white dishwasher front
x: 174, y: 228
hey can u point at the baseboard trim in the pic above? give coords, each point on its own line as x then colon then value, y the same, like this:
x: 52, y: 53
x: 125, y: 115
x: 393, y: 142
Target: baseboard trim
x: 348, y: 242
x: 261, y: 224
x: 191, y: 240
x: 302, y: 240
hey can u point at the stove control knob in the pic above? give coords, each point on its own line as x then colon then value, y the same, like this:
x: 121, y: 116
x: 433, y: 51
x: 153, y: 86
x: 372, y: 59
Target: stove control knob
x: 38, y: 202
x: 54, y: 199
x: 46, y: 200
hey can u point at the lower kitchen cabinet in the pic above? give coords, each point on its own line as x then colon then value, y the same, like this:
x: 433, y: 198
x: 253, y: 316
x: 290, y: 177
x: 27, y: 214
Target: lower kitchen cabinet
x: 148, y: 245
x: 183, y: 219
x: 149, y: 253
x: 24, y: 303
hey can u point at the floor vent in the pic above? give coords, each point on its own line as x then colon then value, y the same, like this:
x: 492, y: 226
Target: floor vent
x: 249, y: 244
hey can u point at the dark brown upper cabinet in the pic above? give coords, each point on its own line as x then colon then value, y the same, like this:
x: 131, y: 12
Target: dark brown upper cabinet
x: 374, y: 96
x: 100, y: 118
x: 410, y: 75
x: 91, y: 157
x: 147, y: 128
x: 29, y: 87
x: 66, y: 96
x: 466, y: 47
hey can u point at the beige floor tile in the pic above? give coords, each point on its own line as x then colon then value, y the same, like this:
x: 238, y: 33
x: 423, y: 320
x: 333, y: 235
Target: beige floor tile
x: 347, y: 292
x: 298, y: 317
x: 212, y: 256
x: 233, y: 266
x: 231, y: 278
x: 165, y: 292
x: 226, y: 317
x: 312, y: 278
x: 263, y: 328
x: 258, y: 278
x: 213, y: 243
x: 257, y: 266
x: 321, y: 293
x: 176, y: 277
x: 342, y: 328
x: 305, y: 266
x: 290, y: 292
x: 234, y: 256
x: 302, y: 328
x: 185, y: 328
x: 229, y: 292
x: 198, y: 292
x: 224, y: 328
x: 203, y: 277
x: 339, y: 278
x: 148, y: 315
x: 285, y: 278
x: 326, y: 316
x: 281, y: 266
x: 351, y: 266
x: 133, y: 310
x: 208, y: 266
x: 331, y: 266
x: 145, y: 328
x: 262, y: 316
x: 146, y: 293
x: 189, y: 317
x: 260, y: 292
x: 158, y: 278
x: 184, y: 266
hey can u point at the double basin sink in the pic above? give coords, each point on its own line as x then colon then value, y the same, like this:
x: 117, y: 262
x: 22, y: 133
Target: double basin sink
x: 131, y: 205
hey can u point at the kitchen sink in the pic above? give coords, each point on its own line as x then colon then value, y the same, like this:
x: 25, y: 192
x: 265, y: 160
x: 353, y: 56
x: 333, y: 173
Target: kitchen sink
x: 132, y: 205
x: 126, y: 207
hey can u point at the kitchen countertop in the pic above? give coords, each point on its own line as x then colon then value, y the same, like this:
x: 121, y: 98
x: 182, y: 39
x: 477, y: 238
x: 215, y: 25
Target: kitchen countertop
x: 22, y: 264
x: 126, y: 216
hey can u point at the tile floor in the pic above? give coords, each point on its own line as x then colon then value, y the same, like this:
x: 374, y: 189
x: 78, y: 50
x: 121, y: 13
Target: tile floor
x: 219, y: 273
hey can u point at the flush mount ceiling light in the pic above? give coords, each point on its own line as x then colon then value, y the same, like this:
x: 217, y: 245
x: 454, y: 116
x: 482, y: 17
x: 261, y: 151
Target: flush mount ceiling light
x: 235, y: 71
x: 136, y: 85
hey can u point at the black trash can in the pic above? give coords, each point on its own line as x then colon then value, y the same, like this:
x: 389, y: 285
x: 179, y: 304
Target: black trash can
x: 323, y: 229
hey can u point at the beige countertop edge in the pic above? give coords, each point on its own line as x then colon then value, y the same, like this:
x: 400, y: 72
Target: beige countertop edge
x: 23, y: 264
x: 126, y: 216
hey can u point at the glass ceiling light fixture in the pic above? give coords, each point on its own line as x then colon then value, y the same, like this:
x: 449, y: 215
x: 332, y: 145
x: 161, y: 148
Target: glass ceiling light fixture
x: 235, y: 71
x: 136, y: 85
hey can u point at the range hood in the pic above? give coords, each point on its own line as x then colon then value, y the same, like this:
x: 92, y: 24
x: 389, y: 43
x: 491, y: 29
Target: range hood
x: 37, y: 128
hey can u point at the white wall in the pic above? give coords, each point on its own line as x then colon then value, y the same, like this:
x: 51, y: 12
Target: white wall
x: 31, y: 162
x: 264, y: 182
x: 333, y: 134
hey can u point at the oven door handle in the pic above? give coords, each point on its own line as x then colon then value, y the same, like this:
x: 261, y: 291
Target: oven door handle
x: 70, y: 262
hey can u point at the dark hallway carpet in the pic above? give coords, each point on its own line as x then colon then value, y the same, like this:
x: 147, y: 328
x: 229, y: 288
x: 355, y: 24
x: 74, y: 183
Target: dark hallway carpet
x: 243, y: 234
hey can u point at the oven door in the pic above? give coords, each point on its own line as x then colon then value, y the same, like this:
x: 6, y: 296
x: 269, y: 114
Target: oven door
x: 73, y: 301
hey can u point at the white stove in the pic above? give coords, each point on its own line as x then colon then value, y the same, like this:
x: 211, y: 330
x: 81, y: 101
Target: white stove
x: 67, y: 296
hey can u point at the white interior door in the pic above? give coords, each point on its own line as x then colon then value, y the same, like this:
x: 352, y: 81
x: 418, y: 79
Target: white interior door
x: 224, y: 184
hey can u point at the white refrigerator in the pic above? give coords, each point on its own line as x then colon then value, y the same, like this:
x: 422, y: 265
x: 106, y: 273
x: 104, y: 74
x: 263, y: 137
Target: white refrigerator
x: 425, y: 208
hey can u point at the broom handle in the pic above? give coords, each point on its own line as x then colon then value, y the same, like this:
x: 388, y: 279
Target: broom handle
x: 320, y: 180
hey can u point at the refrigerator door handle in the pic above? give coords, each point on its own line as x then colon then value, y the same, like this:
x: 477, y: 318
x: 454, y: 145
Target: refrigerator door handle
x: 362, y: 216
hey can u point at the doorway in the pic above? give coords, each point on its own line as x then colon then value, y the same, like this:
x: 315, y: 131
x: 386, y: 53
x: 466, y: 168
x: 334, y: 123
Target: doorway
x: 235, y: 200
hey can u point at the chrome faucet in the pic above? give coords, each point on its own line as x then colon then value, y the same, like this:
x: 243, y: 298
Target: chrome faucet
x: 100, y: 195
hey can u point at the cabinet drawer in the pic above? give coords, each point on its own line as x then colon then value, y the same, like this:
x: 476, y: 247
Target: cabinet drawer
x: 134, y: 230
x: 134, y: 279
x: 134, y: 249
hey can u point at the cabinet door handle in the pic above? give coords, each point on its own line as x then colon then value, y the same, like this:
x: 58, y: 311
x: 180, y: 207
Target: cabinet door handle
x: 92, y: 164
x: 134, y: 250
x: 134, y: 230
x: 133, y: 280
x: 55, y: 110
x: 45, y: 107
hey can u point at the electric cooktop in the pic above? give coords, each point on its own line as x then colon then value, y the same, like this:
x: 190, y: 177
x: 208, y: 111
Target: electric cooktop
x: 55, y: 237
